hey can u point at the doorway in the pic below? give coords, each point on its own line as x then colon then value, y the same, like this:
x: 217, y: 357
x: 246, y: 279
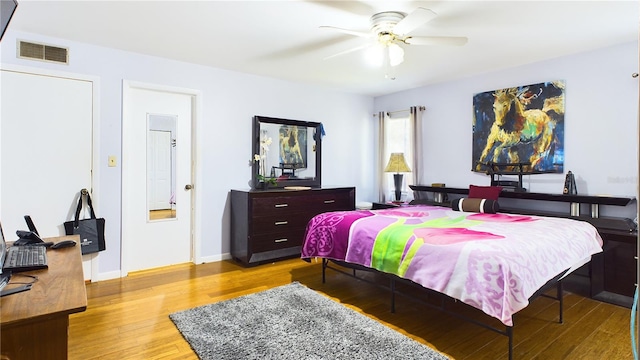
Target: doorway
x: 157, y: 176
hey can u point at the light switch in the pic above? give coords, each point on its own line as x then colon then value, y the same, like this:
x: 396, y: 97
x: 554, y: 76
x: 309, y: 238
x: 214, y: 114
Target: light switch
x: 112, y: 161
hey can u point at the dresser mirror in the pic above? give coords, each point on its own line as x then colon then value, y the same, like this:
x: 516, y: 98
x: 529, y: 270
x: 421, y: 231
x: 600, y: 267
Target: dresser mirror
x: 286, y: 153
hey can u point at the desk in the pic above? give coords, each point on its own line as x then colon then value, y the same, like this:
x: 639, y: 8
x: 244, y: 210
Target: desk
x: 34, y: 324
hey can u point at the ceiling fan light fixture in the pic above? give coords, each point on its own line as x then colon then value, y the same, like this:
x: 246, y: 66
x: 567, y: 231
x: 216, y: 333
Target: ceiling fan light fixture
x: 396, y: 55
x: 384, y: 22
x: 374, y: 55
x: 386, y: 38
x: 391, y: 30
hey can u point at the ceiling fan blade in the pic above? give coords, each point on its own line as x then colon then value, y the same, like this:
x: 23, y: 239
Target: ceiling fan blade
x: 436, y: 40
x: 361, y: 47
x: 414, y: 20
x: 355, y: 7
x: 350, y: 32
x: 302, y: 49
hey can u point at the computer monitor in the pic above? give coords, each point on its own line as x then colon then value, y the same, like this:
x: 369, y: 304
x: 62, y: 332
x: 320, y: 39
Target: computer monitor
x: 6, y: 275
x: 7, y: 8
x: 3, y: 248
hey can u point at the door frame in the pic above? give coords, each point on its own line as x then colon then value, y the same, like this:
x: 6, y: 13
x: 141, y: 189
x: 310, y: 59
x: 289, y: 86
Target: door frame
x: 90, y: 262
x: 196, y: 106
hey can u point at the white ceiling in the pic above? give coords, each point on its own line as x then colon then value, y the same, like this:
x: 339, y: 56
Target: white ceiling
x: 282, y: 39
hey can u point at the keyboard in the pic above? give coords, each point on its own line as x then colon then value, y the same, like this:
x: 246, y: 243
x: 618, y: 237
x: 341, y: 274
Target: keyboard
x: 25, y: 258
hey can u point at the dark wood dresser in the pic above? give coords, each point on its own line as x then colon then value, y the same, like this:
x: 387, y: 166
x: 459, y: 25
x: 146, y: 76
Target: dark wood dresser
x: 269, y: 225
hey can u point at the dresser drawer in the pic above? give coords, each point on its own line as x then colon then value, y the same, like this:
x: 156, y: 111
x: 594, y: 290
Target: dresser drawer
x: 276, y: 241
x: 307, y: 201
x: 276, y: 205
x: 329, y: 201
x: 280, y: 223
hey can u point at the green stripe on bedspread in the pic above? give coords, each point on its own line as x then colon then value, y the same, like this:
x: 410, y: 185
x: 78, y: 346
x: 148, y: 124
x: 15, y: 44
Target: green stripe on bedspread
x: 391, y: 242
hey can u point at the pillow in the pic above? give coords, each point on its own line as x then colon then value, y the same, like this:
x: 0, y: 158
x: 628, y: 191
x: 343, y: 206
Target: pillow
x: 486, y: 206
x: 484, y: 192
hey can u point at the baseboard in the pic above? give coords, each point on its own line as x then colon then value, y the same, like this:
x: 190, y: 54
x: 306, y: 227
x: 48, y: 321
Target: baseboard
x: 214, y: 258
x: 118, y: 273
x: 108, y: 276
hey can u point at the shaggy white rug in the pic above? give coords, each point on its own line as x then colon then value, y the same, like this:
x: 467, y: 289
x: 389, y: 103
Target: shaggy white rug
x: 292, y: 322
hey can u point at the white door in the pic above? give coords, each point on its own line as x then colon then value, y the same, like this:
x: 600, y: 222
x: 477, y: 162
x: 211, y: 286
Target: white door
x: 149, y: 242
x: 46, y: 149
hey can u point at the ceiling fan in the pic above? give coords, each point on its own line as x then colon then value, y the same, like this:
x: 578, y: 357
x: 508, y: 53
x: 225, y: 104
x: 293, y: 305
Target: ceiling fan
x: 391, y: 29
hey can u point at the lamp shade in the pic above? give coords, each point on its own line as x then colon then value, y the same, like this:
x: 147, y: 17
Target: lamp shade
x: 397, y: 164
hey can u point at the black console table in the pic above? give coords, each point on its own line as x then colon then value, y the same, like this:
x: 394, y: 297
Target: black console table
x: 593, y: 201
x: 611, y: 274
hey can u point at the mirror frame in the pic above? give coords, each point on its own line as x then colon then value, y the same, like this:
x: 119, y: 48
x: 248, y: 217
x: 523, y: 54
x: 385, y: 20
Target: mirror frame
x: 255, y: 149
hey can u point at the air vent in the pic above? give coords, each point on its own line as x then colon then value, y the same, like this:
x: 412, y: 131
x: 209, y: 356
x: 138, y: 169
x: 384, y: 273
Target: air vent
x: 29, y: 50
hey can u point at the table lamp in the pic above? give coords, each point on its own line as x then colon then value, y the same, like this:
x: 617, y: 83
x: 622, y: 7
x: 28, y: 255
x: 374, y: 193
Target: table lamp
x: 397, y: 164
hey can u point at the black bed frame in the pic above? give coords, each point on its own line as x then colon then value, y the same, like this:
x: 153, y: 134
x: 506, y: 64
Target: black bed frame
x: 507, y: 331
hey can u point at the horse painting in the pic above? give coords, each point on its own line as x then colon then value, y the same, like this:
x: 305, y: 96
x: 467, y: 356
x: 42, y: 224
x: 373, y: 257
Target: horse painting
x: 520, y: 125
x: 291, y: 141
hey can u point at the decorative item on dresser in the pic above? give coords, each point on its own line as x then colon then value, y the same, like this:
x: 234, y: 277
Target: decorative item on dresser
x: 269, y: 225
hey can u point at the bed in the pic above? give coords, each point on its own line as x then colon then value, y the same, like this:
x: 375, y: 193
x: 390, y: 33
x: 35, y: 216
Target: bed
x: 494, y: 262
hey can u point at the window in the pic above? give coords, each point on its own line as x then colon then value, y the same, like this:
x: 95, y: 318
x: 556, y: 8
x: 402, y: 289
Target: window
x: 398, y: 134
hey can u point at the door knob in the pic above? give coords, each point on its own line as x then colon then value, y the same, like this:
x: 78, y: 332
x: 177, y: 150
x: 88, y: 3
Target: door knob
x: 188, y: 187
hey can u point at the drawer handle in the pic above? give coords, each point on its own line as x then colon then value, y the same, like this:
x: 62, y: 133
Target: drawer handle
x: 281, y: 222
x: 281, y: 205
x: 280, y: 240
x: 329, y: 201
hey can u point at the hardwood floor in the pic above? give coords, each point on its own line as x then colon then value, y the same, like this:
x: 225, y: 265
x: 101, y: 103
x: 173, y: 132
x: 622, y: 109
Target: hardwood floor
x: 128, y: 318
x: 162, y: 214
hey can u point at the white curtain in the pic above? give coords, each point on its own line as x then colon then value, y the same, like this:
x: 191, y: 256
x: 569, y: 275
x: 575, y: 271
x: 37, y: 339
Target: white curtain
x: 381, y: 157
x: 415, y: 118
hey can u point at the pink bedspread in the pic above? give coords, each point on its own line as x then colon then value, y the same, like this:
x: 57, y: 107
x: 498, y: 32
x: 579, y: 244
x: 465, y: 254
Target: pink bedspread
x: 494, y: 262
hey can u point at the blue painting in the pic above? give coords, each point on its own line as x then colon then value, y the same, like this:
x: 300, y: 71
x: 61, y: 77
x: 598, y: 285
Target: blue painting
x: 520, y: 125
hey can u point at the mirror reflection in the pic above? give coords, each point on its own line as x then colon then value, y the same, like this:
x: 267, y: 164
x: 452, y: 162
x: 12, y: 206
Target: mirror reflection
x: 286, y: 152
x: 161, y: 175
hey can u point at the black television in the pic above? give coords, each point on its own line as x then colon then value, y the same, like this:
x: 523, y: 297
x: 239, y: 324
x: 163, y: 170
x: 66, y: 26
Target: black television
x: 7, y: 8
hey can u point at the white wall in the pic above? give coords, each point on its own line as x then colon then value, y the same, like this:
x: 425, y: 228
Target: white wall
x: 230, y: 100
x: 601, y: 115
x: 601, y: 123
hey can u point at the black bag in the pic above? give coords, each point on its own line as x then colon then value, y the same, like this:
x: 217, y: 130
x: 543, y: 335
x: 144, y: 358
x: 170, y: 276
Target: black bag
x: 91, y: 230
